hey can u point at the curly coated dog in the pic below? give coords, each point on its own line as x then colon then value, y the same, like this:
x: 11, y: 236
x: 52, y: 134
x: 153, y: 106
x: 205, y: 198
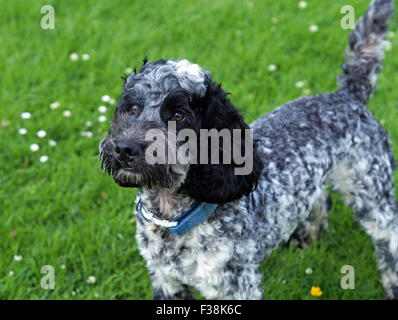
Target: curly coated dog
x: 201, y: 224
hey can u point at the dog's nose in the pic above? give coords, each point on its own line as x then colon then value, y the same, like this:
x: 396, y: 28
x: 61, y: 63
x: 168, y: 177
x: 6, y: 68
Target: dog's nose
x: 127, y: 150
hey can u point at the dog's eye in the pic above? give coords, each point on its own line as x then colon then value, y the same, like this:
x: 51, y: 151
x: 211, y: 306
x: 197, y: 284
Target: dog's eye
x: 178, y: 116
x: 134, y: 109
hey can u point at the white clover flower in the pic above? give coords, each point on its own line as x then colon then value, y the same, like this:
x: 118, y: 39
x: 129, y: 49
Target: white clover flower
x: 4, y: 124
x: 22, y: 131
x: 85, y: 56
x: 272, y: 67
x: 274, y: 20
x: 250, y: 4
x: 87, y: 134
x: 302, y: 4
x: 314, y: 28
x: 96, y: 295
x: 102, y: 109
x: 105, y: 98
x: 391, y: 35
x: 306, y: 92
x: 26, y: 115
x: 52, y: 143
x: 91, y: 279
x: 120, y: 236
x: 67, y: 113
x: 382, y: 121
x: 128, y: 70
x: 43, y: 159
x: 73, y: 293
x: 11, y: 273
x: 102, y: 119
x: 112, y: 101
x: 308, y: 271
x: 54, y: 105
x: 388, y: 46
x: 34, y: 147
x: 88, y: 124
x: 63, y: 266
x: 74, y: 56
x: 41, y: 133
x: 300, y: 84
x: 17, y: 257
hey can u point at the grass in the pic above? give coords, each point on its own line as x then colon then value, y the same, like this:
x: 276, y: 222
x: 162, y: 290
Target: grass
x: 66, y: 214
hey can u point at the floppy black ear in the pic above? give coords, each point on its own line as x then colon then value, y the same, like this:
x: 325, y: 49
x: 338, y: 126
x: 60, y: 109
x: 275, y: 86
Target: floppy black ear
x: 218, y: 183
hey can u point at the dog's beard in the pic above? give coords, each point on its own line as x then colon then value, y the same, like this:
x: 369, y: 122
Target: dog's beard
x: 150, y: 176
x: 128, y: 179
x: 139, y: 173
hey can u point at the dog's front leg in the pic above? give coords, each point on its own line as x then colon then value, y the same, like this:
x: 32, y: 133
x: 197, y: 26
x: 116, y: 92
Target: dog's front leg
x: 167, y: 288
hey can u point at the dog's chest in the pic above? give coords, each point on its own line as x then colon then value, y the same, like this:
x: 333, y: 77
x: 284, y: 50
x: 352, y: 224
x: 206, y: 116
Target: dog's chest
x: 190, y: 258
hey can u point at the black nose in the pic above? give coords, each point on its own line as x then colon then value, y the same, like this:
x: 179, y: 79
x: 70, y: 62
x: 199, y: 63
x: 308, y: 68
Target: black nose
x: 126, y: 150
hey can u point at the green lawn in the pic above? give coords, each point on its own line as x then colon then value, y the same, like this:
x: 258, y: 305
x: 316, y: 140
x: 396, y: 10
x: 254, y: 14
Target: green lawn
x: 67, y: 214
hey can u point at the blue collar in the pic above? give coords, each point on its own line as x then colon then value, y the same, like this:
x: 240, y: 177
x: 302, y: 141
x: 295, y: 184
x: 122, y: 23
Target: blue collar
x: 179, y: 226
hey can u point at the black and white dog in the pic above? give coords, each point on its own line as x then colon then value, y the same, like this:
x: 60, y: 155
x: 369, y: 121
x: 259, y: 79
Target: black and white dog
x: 202, y: 225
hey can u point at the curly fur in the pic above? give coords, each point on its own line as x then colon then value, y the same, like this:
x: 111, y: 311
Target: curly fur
x: 300, y: 148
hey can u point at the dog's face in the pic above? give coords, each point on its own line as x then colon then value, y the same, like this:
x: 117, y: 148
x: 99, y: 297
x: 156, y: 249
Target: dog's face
x: 181, y: 93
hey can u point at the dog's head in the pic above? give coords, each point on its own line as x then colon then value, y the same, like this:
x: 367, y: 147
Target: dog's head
x: 177, y: 94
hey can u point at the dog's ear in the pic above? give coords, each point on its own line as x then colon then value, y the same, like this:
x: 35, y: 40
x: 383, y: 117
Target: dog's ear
x: 219, y: 183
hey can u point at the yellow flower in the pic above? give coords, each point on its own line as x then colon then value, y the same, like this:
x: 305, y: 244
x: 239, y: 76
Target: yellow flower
x: 316, y: 291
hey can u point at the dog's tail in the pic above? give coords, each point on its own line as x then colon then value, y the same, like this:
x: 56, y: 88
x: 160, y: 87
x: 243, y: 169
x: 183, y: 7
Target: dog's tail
x: 366, y: 44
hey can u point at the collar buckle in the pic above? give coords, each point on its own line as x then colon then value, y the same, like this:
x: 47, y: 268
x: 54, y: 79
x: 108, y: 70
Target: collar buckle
x: 149, y: 216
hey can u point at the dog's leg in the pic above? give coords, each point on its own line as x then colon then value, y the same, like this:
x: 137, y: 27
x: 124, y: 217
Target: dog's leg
x: 317, y: 220
x: 366, y: 181
x: 235, y: 282
x: 166, y: 288
x: 249, y: 285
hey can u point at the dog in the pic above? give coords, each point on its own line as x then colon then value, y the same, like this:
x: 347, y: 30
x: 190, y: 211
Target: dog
x: 201, y: 225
